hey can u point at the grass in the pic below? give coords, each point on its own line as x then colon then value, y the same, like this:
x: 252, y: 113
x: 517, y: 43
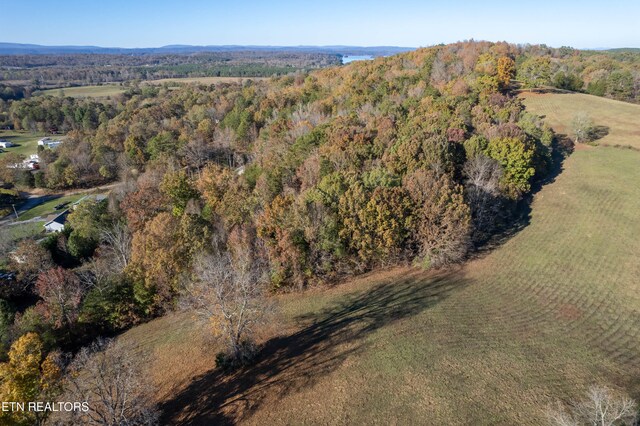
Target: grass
x: 25, y: 230
x: 559, y: 109
x: 102, y: 91
x: 203, y: 80
x: 48, y: 207
x: 553, y: 310
x: 27, y: 142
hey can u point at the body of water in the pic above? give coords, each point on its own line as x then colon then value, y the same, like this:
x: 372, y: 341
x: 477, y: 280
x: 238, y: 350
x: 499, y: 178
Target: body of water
x: 352, y: 58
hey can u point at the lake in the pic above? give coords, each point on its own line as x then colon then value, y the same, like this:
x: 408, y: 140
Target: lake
x: 351, y: 58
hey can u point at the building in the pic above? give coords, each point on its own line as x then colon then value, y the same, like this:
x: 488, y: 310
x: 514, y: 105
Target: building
x: 49, y: 143
x: 6, y: 144
x: 57, y: 224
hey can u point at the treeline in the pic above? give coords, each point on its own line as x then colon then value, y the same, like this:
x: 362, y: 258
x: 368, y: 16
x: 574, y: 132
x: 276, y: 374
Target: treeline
x: 612, y: 74
x: 41, y: 71
x: 416, y: 158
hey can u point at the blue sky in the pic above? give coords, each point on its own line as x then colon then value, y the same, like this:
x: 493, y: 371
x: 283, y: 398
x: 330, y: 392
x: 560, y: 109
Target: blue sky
x: 145, y: 23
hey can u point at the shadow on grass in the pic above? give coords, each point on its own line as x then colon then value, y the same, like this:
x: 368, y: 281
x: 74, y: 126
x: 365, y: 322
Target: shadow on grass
x: 293, y: 362
x: 519, y: 214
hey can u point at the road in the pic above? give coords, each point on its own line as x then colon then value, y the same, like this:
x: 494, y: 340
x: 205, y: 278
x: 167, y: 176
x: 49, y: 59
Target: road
x: 33, y: 200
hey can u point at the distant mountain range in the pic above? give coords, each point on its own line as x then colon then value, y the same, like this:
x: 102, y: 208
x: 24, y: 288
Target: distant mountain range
x: 36, y: 49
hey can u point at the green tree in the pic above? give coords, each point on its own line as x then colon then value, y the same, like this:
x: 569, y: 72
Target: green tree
x: 516, y: 159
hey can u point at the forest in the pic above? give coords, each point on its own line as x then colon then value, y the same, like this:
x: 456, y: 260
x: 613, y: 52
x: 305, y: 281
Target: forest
x: 272, y: 186
x: 45, y: 71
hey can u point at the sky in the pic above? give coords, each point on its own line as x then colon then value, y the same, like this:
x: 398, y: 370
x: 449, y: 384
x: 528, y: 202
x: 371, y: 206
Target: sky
x: 411, y: 23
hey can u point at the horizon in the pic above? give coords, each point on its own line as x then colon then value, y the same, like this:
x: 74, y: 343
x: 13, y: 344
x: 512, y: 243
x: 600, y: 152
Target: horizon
x: 407, y: 23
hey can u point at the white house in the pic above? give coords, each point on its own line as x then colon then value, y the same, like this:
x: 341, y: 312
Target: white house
x: 57, y: 224
x: 49, y: 143
x: 6, y: 144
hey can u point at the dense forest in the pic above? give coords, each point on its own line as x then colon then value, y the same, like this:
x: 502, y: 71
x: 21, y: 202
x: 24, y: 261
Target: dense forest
x: 418, y: 158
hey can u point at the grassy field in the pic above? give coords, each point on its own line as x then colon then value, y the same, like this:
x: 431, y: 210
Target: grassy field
x: 204, y: 80
x: 27, y: 142
x: 48, y: 207
x: 86, y: 91
x: 553, y: 310
x: 559, y: 109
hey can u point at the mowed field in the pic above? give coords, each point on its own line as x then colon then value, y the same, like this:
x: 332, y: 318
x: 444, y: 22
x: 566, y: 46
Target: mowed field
x: 102, y: 91
x: 560, y: 109
x: 203, y: 80
x: 550, y: 312
x: 26, y: 142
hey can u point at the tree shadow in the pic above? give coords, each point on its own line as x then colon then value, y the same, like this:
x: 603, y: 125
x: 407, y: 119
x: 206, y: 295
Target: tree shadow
x: 598, y: 132
x: 293, y: 362
x: 519, y: 216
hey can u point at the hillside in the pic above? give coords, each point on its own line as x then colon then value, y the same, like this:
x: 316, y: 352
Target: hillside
x: 617, y: 119
x: 315, y: 192
x: 550, y: 312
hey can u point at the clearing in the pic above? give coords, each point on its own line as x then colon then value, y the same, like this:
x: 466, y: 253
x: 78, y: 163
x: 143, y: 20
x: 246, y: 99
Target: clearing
x: 102, y: 91
x: 204, y: 80
x: 551, y: 311
x: 559, y: 109
x: 26, y: 142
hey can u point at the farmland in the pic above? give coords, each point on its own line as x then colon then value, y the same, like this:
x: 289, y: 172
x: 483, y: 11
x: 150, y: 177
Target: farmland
x: 202, y: 80
x: 548, y: 313
x: 102, y: 91
x: 559, y: 109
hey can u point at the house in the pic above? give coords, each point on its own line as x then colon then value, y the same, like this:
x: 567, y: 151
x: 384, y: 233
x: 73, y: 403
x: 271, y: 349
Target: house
x: 6, y: 144
x: 57, y: 224
x: 49, y: 143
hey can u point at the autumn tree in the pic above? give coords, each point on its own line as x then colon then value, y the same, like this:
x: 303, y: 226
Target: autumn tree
x: 61, y: 292
x: 441, y: 219
x: 374, y: 224
x: 161, y: 253
x: 28, y: 261
x: 28, y: 376
x: 506, y: 71
x: 280, y: 226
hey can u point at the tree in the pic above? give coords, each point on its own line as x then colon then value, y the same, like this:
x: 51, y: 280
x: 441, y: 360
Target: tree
x: 229, y: 293
x: 110, y: 377
x: 582, y: 128
x: 535, y: 71
x: 86, y: 222
x: 516, y: 159
x: 117, y: 244
x: 482, y: 186
x: 442, y: 220
x: 601, y: 407
x: 178, y: 188
x: 28, y: 261
x: 61, y: 292
x: 27, y: 377
x: 506, y: 71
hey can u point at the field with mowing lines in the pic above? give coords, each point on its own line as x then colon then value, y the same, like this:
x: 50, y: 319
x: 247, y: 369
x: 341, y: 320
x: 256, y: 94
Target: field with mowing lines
x: 552, y: 311
x: 86, y: 91
x: 559, y: 109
